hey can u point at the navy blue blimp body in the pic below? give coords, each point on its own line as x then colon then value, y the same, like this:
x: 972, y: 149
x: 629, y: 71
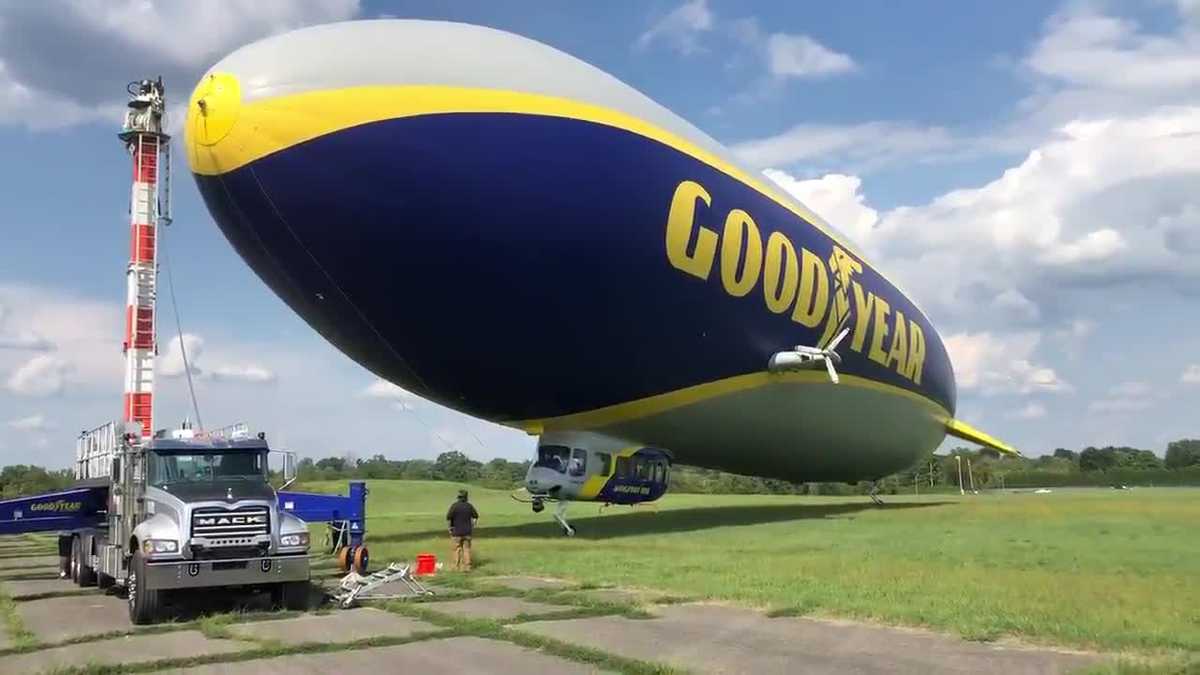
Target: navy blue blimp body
x: 526, y: 266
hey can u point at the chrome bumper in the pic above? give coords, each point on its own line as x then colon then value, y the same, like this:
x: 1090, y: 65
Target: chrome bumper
x: 238, y: 572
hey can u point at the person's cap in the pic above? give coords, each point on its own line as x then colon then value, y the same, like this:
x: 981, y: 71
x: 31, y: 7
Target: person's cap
x: 462, y: 494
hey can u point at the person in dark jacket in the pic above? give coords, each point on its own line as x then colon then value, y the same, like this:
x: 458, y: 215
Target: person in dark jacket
x: 461, y: 518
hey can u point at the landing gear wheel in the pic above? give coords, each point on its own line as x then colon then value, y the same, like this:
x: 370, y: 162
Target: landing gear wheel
x: 290, y: 595
x: 362, y: 558
x: 344, y: 558
x: 560, y: 515
x: 143, y: 602
x: 874, y: 494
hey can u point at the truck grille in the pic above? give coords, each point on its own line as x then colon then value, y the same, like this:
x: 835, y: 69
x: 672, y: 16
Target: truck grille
x: 217, y: 523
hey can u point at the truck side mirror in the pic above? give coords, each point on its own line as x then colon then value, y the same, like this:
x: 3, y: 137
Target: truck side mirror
x: 289, y: 467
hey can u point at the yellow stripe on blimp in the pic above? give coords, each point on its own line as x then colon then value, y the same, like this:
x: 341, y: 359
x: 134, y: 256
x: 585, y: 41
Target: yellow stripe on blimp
x: 224, y: 133
x: 660, y: 403
x: 960, y: 429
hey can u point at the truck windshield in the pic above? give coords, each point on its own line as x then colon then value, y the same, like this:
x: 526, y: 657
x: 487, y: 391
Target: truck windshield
x: 165, y: 468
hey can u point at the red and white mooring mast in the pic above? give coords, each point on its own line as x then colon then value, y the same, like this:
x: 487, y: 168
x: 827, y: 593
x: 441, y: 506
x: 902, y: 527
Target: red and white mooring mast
x: 149, y: 146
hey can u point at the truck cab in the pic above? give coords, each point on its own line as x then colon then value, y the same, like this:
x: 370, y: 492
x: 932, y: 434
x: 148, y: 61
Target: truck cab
x: 188, y: 511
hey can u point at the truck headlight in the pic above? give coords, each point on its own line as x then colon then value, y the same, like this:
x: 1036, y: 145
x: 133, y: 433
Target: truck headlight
x: 294, y: 539
x: 160, y: 546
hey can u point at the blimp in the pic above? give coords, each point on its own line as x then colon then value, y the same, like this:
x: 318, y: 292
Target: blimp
x: 497, y: 226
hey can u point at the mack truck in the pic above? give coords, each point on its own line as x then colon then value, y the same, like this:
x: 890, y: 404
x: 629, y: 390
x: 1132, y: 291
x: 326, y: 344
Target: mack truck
x: 184, y: 511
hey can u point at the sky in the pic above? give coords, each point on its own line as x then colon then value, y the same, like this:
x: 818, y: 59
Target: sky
x: 1026, y: 171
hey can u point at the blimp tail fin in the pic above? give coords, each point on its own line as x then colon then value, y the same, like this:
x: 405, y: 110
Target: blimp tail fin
x: 960, y: 429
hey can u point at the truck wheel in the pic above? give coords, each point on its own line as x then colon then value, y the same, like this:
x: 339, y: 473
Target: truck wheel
x: 143, y: 602
x: 64, y: 556
x: 291, y: 595
x: 81, y: 574
x: 74, y: 560
x: 104, y: 581
x: 87, y: 574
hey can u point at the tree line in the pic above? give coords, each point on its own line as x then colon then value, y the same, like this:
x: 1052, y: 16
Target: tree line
x: 1090, y: 466
x: 449, y: 466
x: 19, y: 480
x: 985, y: 469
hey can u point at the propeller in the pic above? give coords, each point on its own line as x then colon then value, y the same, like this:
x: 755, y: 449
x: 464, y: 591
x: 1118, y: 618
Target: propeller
x: 831, y: 355
x: 803, y: 357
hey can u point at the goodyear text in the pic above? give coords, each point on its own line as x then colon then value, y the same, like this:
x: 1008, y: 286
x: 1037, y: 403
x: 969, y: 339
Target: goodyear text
x: 60, y: 506
x: 812, y: 291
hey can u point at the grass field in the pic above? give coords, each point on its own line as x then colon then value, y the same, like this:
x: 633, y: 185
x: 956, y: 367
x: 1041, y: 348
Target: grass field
x: 1104, y: 569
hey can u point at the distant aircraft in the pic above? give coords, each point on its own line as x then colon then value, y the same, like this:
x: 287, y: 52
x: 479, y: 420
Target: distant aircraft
x: 502, y: 228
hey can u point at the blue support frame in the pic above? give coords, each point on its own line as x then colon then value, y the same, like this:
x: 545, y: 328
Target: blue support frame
x: 67, y: 510
x: 80, y: 508
x: 315, y: 508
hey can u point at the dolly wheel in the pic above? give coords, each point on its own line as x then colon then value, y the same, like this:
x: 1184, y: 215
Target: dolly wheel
x: 361, y: 559
x: 343, y: 558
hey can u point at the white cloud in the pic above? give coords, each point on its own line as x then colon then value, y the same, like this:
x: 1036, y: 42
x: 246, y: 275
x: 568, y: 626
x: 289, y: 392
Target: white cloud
x: 803, y: 57
x: 1072, y: 336
x: 1189, y: 9
x: 1076, y: 330
x: 1093, y: 246
x: 1084, y: 48
x: 84, y: 335
x: 1012, y: 302
x: 401, y: 398
x: 39, y: 110
x: 834, y: 197
x: 1130, y: 389
x: 171, y: 30
x: 43, y: 375
x: 31, y: 423
x: 865, y: 146
x: 1098, y: 66
x: 680, y: 28
x: 15, y: 337
x: 1124, y: 397
x: 1191, y: 374
x: 170, y: 361
x: 771, y: 58
x: 229, y: 369
x: 66, y: 63
x: 381, y: 388
x: 25, y: 342
x: 1118, y: 405
x: 1104, y: 203
x: 1030, y: 411
x: 995, y: 364
x: 246, y: 372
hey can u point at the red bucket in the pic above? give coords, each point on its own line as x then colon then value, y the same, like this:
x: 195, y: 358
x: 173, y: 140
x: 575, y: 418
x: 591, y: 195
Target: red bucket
x: 426, y: 564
